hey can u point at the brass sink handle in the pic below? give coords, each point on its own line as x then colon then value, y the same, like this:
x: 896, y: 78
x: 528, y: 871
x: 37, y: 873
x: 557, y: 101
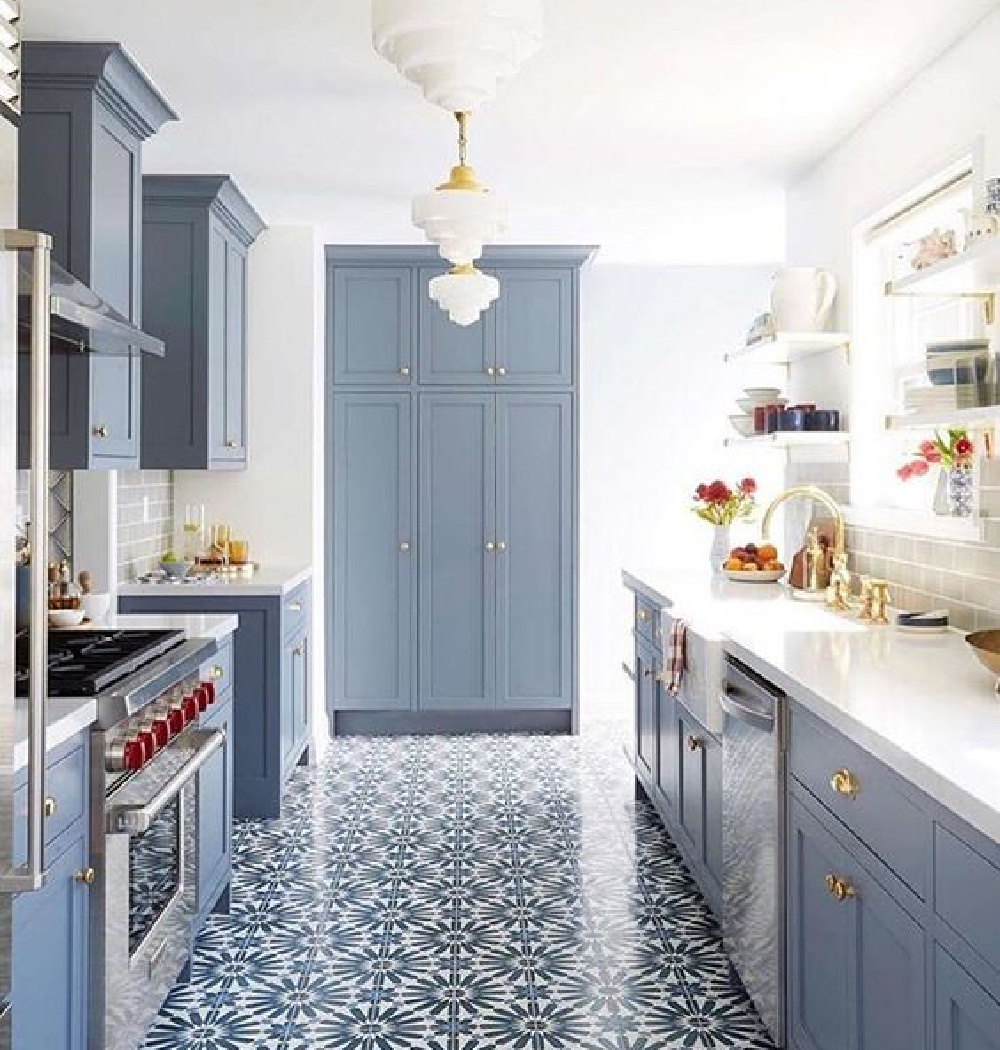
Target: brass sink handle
x: 844, y: 782
x: 840, y: 888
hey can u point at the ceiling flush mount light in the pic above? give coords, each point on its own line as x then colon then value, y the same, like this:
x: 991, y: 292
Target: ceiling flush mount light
x: 461, y: 215
x: 457, y: 51
x: 464, y: 292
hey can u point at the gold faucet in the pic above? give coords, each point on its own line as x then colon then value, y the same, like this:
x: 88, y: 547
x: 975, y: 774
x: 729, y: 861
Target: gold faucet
x: 838, y: 594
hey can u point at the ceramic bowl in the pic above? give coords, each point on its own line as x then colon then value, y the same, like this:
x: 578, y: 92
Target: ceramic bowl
x: 762, y: 395
x: 760, y: 576
x: 743, y: 425
x: 176, y: 570
x: 96, y: 606
x: 986, y: 646
x: 65, y: 617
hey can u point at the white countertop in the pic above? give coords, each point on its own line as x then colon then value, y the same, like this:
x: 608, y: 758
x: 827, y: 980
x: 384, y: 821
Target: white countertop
x: 67, y: 716
x: 265, y: 582
x: 923, y: 705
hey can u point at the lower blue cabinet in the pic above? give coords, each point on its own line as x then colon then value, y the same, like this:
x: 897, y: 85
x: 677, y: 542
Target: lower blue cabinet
x: 857, y: 957
x: 50, y: 953
x: 966, y: 1016
x: 646, y: 715
x: 215, y: 816
x: 294, y: 697
x: 666, y: 746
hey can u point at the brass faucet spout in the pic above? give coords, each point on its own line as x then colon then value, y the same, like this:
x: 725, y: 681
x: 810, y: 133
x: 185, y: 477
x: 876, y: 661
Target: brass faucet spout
x: 817, y: 495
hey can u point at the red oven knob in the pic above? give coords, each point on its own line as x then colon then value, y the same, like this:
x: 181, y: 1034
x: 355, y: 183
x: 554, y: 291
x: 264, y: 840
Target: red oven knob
x: 209, y: 688
x: 189, y: 705
x: 134, y: 754
x: 160, y: 728
x: 175, y: 720
x: 201, y: 695
x: 145, y: 739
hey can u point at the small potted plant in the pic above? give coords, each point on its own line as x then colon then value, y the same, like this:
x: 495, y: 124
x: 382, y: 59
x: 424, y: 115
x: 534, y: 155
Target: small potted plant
x: 953, y: 453
x: 720, y: 506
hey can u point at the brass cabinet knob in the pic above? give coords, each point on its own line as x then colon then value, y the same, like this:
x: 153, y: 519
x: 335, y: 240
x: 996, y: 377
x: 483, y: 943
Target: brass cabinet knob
x: 491, y: 370
x: 295, y: 606
x: 297, y: 651
x: 647, y: 672
x: 86, y: 876
x: 839, y: 888
x: 501, y: 371
x: 215, y: 672
x: 404, y: 371
x: 50, y: 807
x: 695, y: 743
x: 404, y: 546
x: 232, y: 443
x: 501, y: 545
x: 490, y: 546
x: 641, y: 615
x: 101, y: 431
x: 844, y: 782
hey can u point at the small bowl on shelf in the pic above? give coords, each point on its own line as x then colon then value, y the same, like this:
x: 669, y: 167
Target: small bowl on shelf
x: 65, y: 617
x: 175, y: 570
x: 763, y: 395
x: 743, y: 425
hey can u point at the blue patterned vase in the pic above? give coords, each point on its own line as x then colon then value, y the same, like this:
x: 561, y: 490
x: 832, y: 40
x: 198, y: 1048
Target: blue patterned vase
x: 961, y: 491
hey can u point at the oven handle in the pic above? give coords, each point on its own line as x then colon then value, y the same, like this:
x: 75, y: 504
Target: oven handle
x: 134, y: 819
x: 763, y: 720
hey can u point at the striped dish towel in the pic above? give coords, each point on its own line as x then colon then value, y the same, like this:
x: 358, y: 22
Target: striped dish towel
x: 675, y: 655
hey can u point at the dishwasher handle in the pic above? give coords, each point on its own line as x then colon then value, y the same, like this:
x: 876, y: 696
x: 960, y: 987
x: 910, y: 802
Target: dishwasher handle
x: 736, y: 706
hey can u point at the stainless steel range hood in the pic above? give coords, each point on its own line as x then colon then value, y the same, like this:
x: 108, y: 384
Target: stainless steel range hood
x: 81, y: 320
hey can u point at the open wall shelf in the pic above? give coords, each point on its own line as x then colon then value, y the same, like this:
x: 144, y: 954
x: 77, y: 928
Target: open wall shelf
x: 786, y: 348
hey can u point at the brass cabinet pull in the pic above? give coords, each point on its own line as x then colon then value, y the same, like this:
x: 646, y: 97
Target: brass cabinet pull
x: 215, y: 672
x: 295, y: 606
x: 50, y: 807
x: 501, y: 545
x: 844, y: 782
x: 101, y: 432
x: 490, y: 546
x: 647, y: 672
x: 501, y: 371
x: 491, y: 370
x: 404, y: 546
x: 232, y: 443
x: 695, y: 743
x: 641, y: 615
x: 839, y: 888
x: 404, y: 371
x: 86, y: 876
x: 297, y: 651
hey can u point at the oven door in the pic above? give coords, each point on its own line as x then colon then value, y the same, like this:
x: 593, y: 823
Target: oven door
x: 151, y: 884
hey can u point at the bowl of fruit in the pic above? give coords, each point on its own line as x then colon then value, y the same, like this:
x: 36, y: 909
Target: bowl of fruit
x: 753, y: 564
x: 173, y: 567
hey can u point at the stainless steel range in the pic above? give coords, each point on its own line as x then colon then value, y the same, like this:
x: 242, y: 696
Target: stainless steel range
x: 146, y: 750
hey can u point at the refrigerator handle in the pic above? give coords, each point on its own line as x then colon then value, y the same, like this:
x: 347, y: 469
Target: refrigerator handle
x: 32, y: 876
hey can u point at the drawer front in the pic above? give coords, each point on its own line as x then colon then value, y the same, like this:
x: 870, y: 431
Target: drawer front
x: 220, y: 670
x: 647, y: 619
x: 967, y: 893
x: 66, y: 786
x: 966, y: 1017
x: 295, y: 610
x: 866, y: 796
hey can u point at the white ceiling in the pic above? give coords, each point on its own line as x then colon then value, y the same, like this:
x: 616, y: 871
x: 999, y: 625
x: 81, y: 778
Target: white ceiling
x: 650, y: 126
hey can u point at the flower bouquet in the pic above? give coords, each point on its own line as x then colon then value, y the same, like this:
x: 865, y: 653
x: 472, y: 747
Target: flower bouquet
x: 720, y: 506
x: 953, y: 453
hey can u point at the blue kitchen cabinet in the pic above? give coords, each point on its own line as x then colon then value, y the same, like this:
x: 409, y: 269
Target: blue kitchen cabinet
x: 373, y: 510
x: 647, y: 691
x: 87, y: 109
x: 667, y: 784
x: 857, y: 956
x: 967, y: 1017
x: 698, y: 813
x: 535, y: 554
x: 294, y: 698
x: 451, y: 354
x: 458, y: 556
x: 370, y: 324
x: 262, y: 756
x: 197, y: 230
x: 533, y: 325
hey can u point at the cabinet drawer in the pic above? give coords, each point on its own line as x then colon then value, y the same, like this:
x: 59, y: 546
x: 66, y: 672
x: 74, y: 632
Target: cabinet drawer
x: 220, y: 670
x: 866, y: 796
x: 295, y: 610
x: 647, y: 619
x: 66, y: 785
x: 966, y: 893
x: 966, y: 1017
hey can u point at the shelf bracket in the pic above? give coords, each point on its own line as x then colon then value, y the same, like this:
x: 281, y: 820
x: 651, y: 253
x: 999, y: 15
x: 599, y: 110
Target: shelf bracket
x: 988, y: 300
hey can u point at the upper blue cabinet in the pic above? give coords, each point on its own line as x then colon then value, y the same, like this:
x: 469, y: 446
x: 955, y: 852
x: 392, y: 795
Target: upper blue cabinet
x: 197, y: 230
x: 385, y: 330
x: 87, y: 109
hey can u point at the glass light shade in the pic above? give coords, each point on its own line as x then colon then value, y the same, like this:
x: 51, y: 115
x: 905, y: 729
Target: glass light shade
x: 464, y: 293
x: 457, y: 51
x: 460, y: 222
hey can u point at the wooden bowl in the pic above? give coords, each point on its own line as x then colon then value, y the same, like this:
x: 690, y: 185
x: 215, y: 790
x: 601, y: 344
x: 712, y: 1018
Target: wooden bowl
x: 986, y: 646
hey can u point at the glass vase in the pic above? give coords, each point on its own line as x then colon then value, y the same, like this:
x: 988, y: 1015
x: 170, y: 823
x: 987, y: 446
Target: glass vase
x: 720, y: 548
x: 961, y: 491
x: 941, y: 504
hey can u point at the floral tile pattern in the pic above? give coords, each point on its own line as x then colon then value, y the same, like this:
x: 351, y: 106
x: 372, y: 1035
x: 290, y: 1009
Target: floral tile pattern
x: 461, y: 893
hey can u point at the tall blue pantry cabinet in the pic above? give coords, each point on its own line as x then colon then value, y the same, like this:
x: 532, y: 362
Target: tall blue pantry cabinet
x: 453, y: 495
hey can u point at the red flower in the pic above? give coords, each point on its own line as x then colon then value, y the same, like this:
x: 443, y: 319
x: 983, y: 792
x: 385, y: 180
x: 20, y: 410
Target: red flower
x: 928, y: 449
x: 964, y: 447
x: 701, y: 492
x: 748, y: 486
x: 718, y: 492
x: 918, y: 468
x: 933, y: 456
x: 905, y: 472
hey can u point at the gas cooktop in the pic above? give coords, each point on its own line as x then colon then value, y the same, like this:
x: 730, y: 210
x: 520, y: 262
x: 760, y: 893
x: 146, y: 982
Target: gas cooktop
x: 85, y: 663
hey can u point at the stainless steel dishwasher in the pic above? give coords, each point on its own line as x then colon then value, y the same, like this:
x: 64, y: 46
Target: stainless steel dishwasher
x: 753, y: 839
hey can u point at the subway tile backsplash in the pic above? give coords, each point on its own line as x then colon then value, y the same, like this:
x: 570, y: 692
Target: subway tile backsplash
x: 142, y: 543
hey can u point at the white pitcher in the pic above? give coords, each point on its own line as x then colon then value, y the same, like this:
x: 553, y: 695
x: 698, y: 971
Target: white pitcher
x: 802, y: 299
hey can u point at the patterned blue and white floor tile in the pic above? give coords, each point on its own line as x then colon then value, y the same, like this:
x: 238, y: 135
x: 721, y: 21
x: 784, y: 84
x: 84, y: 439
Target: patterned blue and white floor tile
x: 471, y: 893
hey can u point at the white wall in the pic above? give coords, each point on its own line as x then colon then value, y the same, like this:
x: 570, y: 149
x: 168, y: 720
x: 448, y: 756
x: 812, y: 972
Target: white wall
x: 655, y: 394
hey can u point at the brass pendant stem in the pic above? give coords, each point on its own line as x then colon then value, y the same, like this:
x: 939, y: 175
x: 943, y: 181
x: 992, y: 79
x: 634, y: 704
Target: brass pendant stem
x: 463, y: 136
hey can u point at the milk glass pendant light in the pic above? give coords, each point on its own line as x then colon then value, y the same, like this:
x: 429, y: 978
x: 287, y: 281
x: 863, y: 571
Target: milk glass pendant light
x: 457, y: 51
x: 461, y: 215
x: 464, y: 292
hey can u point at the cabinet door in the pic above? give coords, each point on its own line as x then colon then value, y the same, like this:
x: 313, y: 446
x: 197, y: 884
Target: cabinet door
x: 713, y: 807
x: 114, y: 411
x: 300, y: 689
x: 371, y: 324
x: 646, y: 713
x: 691, y: 783
x: 666, y: 748
x: 967, y: 1017
x: 452, y: 354
x: 534, y: 326
x: 215, y: 810
x: 50, y: 958
x: 457, y: 566
x: 374, y: 554
x: 535, y: 551
x: 226, y: 349
x: 856, y: 962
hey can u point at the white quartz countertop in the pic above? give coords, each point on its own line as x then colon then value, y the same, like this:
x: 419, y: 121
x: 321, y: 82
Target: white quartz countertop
x: 921, y: 704
x: 265, y: 582
x: 67, y: 716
